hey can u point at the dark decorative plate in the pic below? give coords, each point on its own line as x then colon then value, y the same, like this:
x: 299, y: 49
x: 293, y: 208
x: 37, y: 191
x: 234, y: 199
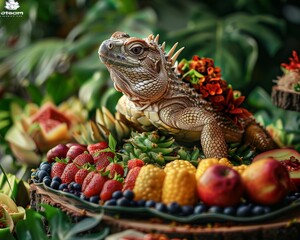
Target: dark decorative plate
x: 143, y: 212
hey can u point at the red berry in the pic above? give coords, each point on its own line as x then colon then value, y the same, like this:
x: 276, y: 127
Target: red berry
x: 59, y: 151
x: 69, y: 173
x: 74, y: 151
x: 83, y: 158
x: 87, y: 180
x: 109, y: 187
x: 58, y: 169
x: 132, y: 163
x: 95, y: 185
x: 102, y: 160
x: 92, y: 148
x: 115, y: 168
x: 81, y: 175
x: 130, y: 178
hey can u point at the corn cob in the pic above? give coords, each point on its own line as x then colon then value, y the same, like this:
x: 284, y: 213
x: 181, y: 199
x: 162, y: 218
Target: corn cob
x: 149, y: 182
x: 205, y: 163
x: 180, y: 164
x: 179, y: 186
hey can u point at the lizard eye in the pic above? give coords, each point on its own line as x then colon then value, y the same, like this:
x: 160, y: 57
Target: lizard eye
x: 137, y: 49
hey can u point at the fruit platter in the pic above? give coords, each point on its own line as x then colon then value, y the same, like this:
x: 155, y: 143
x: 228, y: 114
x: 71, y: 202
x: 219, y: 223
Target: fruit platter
x: 236, y: 181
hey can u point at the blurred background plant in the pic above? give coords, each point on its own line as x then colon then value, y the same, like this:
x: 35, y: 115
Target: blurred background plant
x: 50, y: 53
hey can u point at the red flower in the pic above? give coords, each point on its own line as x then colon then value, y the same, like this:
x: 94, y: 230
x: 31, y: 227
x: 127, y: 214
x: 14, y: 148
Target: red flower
x: 294, y: 64
x: 206, y: 79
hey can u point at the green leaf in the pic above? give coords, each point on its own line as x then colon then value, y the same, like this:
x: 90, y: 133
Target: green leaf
x: 84, y: 225
x: 112, y: 143
x: 32, y: 227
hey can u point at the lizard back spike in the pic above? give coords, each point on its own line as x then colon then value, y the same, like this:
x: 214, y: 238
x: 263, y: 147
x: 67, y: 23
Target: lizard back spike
x: 150, y: 37
x: 170, y: 53
x: 163, y: 46
x: 156, y: 39
x: 175, y: 56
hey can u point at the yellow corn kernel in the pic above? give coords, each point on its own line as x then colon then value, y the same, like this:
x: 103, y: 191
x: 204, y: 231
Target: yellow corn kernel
x: 149, y: 183
x: 207, y: 162
x: 180, y: 164
x: 240, y: 168
x: 179, y: 186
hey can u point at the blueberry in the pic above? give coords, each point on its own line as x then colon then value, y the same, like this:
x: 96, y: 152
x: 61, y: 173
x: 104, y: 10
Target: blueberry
x: 150, y: 203
x: 199, y: 209
x: 47, y: 181
x: 44, y: 163
x: 94, y: 199
x: 77, y: 186
x: 174, y: 208
x: 243, y: 211
x: 132, y: 203
x: 117, y: 194
x: 46, y: 167
x: 141, y: 203
x: 41, y: 174
x: 267, y: 210
x: 123, y: 202
x: 47, y: 177
x: 293, y: 198
x: 231, y: 211
x: 66, y: 190
x: 297, y: 194
x: 110, y: 202
x: 187, y: 210
x: 77, y: 193
x: 257, y: 210
x: 83, y: 197
x: 57, y: 178
x: 161, y: 207
x: 63, y: 186
x: 54, y: 184
x: 128, y: 194
x: 215, y: 209
x: 70, y: 186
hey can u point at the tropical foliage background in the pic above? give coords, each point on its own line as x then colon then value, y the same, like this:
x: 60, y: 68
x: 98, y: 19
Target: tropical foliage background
x: 51, y: 53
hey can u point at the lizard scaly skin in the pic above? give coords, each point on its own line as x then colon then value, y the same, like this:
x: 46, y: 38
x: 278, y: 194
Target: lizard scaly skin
x: 154, y: 96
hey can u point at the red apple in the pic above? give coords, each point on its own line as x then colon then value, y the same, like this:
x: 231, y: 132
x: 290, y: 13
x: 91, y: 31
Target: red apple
x: 220, y: 185
x: 266, y: 181
x: 290, y: 158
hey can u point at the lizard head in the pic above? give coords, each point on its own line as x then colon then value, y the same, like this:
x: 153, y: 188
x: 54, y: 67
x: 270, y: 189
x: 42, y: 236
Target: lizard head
x: 138, y: 67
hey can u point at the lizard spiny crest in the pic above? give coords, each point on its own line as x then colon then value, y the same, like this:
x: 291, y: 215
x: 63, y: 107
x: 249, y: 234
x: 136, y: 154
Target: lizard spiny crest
x: 142, y: 70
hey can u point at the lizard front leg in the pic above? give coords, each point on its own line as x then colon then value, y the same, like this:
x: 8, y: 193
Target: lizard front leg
x: 195, y: 119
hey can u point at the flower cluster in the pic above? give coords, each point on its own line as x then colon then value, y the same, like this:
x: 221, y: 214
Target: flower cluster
x: 293, y: 69
x: 206, y: 79
x: 294, y: 64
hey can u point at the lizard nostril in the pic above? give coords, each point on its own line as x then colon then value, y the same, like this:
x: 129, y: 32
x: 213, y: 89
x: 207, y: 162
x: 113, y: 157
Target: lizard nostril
x: 110, y: 45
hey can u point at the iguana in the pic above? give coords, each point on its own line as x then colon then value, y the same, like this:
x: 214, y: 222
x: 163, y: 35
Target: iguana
x: 155, y: 96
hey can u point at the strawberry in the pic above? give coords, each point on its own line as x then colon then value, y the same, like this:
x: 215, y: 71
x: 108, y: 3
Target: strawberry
x: 109, y: 187
x: 102, y: 156
x: 95, y: 185
x: 74, y: 151
x: 69, y: 173
x: 135, y: 162
x: 102, y: 160
x: 93, y: 148
x: 114, y: 169
x: 83, y: 158
x: 87, y: 180
x: 81, y: 175
x: 130, y: 178
x: 58, y: 169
